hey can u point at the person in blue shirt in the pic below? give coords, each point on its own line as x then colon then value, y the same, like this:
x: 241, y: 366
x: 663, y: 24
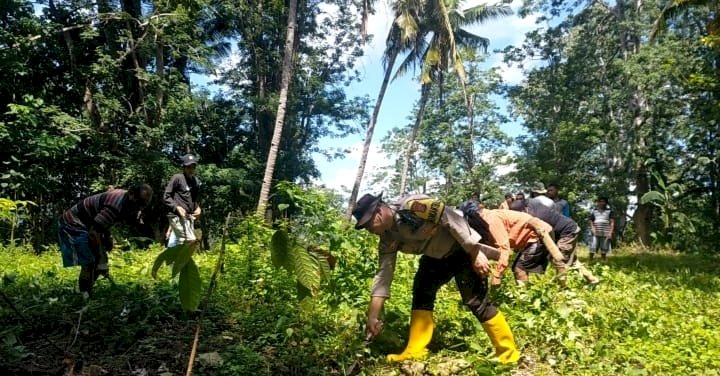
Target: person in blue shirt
x: 561, y: 205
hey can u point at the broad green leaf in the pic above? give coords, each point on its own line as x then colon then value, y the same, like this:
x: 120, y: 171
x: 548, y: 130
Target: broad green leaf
x: 158, y: 262
x: 652, y: 196
x: 282, y: 207
x: 323, y: 264
x: 306, y: 268
x: 168, y: 256
x: 659, y: 180
x: 189, y: 286
x: 302, y: 291
x: 184, y: 255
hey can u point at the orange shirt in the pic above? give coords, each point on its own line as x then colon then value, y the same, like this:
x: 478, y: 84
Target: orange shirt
x: 510, y: 228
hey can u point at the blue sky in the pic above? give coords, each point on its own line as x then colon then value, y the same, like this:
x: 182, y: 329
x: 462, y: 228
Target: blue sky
x: 404, y: 92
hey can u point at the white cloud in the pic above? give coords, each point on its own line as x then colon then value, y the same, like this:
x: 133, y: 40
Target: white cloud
x: 379, y: 24
x: 340, y: 176
x: 503, y: 170
x: 511, y: 74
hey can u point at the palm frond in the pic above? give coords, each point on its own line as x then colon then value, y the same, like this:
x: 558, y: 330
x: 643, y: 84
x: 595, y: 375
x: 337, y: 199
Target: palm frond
x: 467, y: 39
x: 484, y: 13
x: 412, y: 60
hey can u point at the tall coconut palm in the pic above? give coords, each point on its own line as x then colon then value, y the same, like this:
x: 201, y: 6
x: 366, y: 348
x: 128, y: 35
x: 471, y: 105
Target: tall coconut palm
x: 287, y: 70
x: 446, y: 21
x: 403, y: 32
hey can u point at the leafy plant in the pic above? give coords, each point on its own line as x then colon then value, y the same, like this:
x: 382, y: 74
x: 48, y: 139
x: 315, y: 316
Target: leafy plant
x: 11, y: 211
x: 180, y: 259
x: 308, y: 264
x: 665, y: 199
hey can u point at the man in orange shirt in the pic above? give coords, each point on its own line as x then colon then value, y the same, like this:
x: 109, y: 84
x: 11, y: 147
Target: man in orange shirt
x: 508, y: 200
x: 508, y: 230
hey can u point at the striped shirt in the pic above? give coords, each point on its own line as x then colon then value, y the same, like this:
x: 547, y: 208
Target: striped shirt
x: 101, y: 210
x: 602, y: 221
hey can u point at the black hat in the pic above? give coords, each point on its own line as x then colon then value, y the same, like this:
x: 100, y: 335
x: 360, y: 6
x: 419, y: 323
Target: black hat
x: 365, y: 209
x: 189, y: 159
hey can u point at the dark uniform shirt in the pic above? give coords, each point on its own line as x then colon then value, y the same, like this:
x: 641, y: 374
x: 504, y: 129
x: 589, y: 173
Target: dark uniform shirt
x: 561, y: 224
x: 182, y: 191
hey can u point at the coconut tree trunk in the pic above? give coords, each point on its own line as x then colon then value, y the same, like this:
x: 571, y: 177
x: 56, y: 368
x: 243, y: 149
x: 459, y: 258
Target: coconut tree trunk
x: 369, y: 135
x: 282, y: 105
x: 425, y: 94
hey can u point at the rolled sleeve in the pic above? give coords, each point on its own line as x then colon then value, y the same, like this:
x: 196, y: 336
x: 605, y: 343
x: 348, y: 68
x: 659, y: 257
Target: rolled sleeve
x: 461, y: 230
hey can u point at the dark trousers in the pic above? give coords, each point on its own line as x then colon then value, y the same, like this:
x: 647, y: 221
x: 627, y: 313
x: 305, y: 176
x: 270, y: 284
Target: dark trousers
x: 434, y: 273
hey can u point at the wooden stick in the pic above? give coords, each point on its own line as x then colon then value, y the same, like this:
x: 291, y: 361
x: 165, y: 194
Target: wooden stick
x: 206, y: 300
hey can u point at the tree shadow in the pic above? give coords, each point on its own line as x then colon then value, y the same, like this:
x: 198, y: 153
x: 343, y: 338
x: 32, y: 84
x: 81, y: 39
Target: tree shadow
x: 125, y: 326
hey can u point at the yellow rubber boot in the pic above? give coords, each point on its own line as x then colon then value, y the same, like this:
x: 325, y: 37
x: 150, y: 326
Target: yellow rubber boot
x: 502, y: 339
x: 421, y: 329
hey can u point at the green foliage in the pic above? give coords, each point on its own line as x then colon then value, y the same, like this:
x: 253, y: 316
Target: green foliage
x: 304, y: 243
x: 638, y: 320
x: 104, y: 94
x: 180, y: 259
x: 297, y: 260
x: 9, y: 209
x: 675, y: 223
x: 604, y: 116
x: 280, y: 244
x: 12, y: 213
x: 189, y: 285
x: 464, y: 152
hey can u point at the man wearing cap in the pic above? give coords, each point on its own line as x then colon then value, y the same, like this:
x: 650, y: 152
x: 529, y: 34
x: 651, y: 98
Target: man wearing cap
x: 84, y: 230
x: 181, y: 199
x: 418, y: 224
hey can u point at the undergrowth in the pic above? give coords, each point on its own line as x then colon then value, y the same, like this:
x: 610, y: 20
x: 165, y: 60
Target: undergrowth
x: 653, y: 313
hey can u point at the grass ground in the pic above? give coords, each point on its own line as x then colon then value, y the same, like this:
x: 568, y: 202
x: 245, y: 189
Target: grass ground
x: 652, y: 314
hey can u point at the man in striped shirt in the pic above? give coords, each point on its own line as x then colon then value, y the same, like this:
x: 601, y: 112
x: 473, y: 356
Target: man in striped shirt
x: 84, y: 229
x: 602, y: 224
